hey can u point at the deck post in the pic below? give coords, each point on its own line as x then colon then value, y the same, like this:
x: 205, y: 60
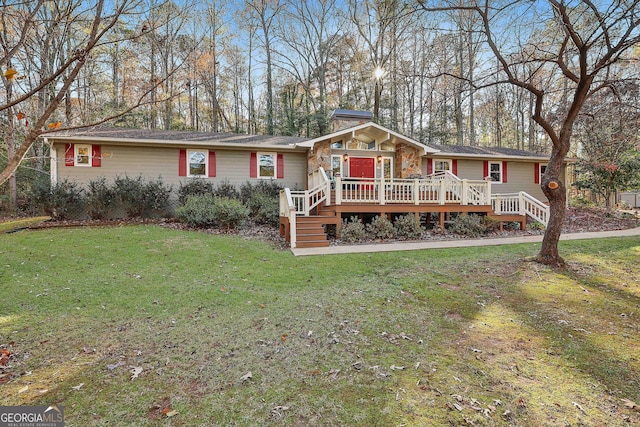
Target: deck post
x: 381, y: 191
x: 465, y: 192
x: 416, y: 191
x: 497, y: 209
x: 488, y: 195
x: 338, y: 190
x: 443, y: 192
x: 521, y: 202
x: 306, y: 203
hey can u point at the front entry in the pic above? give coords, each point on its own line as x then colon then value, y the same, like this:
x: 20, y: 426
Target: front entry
x: 362, y: 167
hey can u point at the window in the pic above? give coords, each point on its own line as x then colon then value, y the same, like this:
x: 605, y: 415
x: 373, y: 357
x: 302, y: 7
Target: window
x: 387, y: 167
x: 85, y: 155
x: 543, y: 169
x: 336, y: 165
x: 386, y: 146
x: 337, y: 145
x: 82, y: 155
x: 266, y: 165
x: 441, y: 165
x: 197, y: 163
x: 495, y: 171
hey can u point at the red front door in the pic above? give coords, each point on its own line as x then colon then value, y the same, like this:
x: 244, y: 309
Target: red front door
x: 362, y: 167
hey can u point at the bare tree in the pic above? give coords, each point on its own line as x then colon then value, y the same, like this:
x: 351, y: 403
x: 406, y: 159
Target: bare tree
x: 51, y: 87
x: 585, y: 40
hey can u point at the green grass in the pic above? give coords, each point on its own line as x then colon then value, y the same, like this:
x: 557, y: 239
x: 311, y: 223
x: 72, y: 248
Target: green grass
x: 17, y: 224
x: 473, y: 336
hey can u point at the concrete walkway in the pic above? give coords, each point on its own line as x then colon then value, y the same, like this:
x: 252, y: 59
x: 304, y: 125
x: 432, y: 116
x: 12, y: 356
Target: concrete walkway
x: 461, y: 243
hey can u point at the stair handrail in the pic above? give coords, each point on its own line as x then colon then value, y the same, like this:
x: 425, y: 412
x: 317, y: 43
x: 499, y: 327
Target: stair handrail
x: 533, y: 207
x: 288, y: 209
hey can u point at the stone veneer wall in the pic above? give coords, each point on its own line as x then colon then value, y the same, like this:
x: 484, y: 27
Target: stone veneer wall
x: 320, y: 157
x: 408, y: 161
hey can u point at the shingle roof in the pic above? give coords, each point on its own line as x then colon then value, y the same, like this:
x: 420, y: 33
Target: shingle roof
x: 486, y: 151
x: 180, y: 136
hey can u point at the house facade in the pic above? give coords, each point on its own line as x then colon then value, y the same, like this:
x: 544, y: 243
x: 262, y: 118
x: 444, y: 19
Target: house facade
x: 361, y: 167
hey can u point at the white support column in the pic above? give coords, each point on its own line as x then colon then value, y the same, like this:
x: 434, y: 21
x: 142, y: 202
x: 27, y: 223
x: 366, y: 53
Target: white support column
x: 306, y: 203
x: 465, y: 192
x: 338, y: 190
x: 416, y: 191
x: 497, y: 210
x: 443, y: 192
x: 382, y: 191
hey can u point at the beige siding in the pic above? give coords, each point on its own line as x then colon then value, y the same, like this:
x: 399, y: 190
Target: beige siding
x: 520, y: 176
x: 154, y: 162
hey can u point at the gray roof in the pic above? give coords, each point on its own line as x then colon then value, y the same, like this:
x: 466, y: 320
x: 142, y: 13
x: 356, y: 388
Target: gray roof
x: 486, y: 151
x: 180, y: 136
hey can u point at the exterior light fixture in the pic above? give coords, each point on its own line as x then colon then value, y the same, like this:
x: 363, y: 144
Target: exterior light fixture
x: 379, y: 158
x: 345, y: 157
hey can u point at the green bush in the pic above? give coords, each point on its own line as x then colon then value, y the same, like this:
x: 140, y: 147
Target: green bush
x: 380, y: 228
x: 469, y: 225
x: 353, y: 230
x: 268, y: 187
x: 406, y: 227
x: 100, y: 199
x: 140, y: 198
x: 226, y: 189
x: 264, y: 209
x: 64, y: 200
x: 209, y: 211
x: 193, y: 187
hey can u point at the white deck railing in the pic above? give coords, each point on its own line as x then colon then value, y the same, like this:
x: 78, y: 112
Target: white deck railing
x: 412, y: 191
x: 521, y: 204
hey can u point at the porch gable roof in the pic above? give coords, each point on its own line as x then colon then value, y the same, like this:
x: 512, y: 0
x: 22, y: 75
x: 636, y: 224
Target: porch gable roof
x: 371, y: 130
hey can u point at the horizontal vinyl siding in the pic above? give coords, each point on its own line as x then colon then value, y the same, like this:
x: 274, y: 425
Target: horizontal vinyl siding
x: 519, y: 177
x: 151, y: 163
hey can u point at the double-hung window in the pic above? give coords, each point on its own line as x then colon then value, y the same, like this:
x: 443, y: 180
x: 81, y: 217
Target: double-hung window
x: 82, y: 155
x: 266, y: 165
x: 197, y: 163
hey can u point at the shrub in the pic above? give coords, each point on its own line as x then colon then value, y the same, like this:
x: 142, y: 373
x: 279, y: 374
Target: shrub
x: 100, y: 199
x: 264, y: 209
x: 197, y: 211
x: 206, y: 211
x: 140, y: 198
x: 380, y: 228
x: 64, y: 200
x: 352, y: 230
x: 155, y: 198
x: 193, y: 187
x: 493, y: 223
x: 406, y: 227
x: 226, y: 189
x: 230, y: 213
x: 469, y: 225
x: 268, y: 187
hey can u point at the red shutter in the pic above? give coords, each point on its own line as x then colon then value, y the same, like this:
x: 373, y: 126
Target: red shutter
x: 96, y: 156
x: 69, y: 155
x: 182, y: 163
x: 253, y: 165
x: 536, y: 173
x: 485, y: 169
x: 429, y: 166
x: 212, y: 164
x: 504, y: 172
x: 280, y: 166
x: 454, y: 167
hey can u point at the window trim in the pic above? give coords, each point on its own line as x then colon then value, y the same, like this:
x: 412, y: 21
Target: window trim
x: 76, y: 149
x: 391, y: 161
x: 274, y: 156
x: 541, y: 172
x: 339, y: 157
x: 448, y: 161
x: 206, y: 163
x: 500, y: 172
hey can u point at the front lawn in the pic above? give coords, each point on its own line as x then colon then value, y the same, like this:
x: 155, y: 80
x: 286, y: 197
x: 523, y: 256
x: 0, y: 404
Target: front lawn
x: 142, y: 325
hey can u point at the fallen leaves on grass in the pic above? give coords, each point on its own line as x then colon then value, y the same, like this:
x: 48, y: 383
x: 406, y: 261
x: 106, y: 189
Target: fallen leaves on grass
x: 77, y: 387
x: 246, y: 377
x: 631, y: 404
x: 135, y: 371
